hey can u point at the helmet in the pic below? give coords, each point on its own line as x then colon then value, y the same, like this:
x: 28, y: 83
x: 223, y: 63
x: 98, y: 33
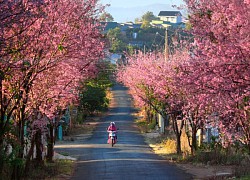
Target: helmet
x: 112, y: 123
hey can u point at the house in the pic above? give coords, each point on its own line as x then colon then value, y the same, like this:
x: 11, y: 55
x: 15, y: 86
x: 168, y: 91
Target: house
x: 169, y: 19
x: 115, y: 58
x: 109, y: 25
x: 125, y: 26
x: 170, y: 16
x: 160, y: 24
x: 167, y: 24
x: 136, y: 43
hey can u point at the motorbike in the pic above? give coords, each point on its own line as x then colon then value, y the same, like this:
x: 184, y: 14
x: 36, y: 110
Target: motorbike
x: 112, y: 138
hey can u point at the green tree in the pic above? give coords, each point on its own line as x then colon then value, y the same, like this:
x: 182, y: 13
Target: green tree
x: 137, y: 20
x: 147, y: 18
x: 106, y: 17
x: 93, y: 96
x: 130, y: 49
x: 117, y: 40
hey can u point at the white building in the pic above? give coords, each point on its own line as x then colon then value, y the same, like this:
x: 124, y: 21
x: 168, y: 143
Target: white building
x: 171, y: 16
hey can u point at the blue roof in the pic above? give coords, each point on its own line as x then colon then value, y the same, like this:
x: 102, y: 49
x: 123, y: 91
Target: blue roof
x: 109, y: 25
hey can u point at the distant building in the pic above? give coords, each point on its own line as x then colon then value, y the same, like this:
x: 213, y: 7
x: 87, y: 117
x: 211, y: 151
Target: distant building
x: 109, y: 25
x: 136, y: 43
x: 125, y: 26
x: 166, y: 24
x: 160, y: 24
x: 168, y: 19
x: 115, y: 58
x: 171, y: 16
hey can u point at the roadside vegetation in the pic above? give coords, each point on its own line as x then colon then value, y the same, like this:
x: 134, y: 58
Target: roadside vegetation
x: 195, y: 90
x: 59, y: 169
x: 50, y: 65
x: 88, y: 110
x: 211, y: 154
x: 94, y: 92
x: 46, y: 51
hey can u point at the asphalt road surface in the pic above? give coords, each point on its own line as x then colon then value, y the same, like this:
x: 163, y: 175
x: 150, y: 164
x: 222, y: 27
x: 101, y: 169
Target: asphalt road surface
x: 130, y: 159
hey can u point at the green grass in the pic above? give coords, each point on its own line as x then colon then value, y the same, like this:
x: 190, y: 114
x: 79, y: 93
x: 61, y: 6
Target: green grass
x: 52, y: 170
x: 244, y: 178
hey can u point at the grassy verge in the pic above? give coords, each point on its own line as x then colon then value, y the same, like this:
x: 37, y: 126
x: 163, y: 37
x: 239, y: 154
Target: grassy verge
x: 85, y: 128
x: 59, y: 169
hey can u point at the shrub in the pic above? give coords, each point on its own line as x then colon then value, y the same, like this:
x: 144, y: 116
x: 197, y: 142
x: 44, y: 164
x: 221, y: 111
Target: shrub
x: 170, y: 146
x: 142, y: 124
x: 152, y: 125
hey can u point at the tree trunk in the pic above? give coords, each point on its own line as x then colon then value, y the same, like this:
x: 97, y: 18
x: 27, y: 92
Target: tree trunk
x: 16, y: 173
x: 1, y: 143
x: 194, y: 140
x: 178, y: 144
x: 178, y: 132
x: 1, y: 158
x: 16, y: 168
x: 50, y: 150
x: 201, y: 137
x: 21, y: 138
x: 148, y: 116
x: 38, y: 142
x: 248, y: 149
x: 30, y: 153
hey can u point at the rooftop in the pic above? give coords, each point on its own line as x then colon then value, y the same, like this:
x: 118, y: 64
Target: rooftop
x: 169, y: 13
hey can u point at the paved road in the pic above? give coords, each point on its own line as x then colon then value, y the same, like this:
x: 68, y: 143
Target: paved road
x: 129, y: 159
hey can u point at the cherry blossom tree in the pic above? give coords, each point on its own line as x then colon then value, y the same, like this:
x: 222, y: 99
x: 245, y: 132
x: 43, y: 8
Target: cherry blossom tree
x: 221, y: 68
x: 152, y: 80
x: 16, y: 17
x: 213, y: 78
x: 41, y: 42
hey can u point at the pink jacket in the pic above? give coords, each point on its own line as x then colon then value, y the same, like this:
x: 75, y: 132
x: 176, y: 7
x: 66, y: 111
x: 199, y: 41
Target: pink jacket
x: 112, y: 128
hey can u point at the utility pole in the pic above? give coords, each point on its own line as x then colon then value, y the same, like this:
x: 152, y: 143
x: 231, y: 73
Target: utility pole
x: 166, y: 45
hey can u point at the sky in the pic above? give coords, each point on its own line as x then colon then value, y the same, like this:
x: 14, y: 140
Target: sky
x: 134, y: 3
x: 129, y: 10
